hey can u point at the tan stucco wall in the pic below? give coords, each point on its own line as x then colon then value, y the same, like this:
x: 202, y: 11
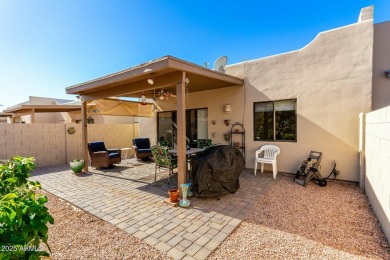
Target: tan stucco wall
x: 381, y: 63
x: 377, y: 161
x: 331, y: 80
x: 148, y: 128
x: 214, y: 101
x: 50, y: 144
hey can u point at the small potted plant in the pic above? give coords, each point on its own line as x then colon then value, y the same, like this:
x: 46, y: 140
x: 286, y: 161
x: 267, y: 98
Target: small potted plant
x: 173, y: 194
x: 76, y: 165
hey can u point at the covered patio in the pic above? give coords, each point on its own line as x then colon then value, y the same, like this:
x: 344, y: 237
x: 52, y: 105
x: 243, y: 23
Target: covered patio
x: 168, y: 73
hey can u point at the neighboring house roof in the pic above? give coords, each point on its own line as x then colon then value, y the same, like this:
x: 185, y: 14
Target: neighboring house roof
x: 28, y: 109
x: 5, y: 114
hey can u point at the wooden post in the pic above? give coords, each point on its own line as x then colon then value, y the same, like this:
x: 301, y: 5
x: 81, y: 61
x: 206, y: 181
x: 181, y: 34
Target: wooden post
x: 84, y: 134
x: 33, y: 116
x: 181, y: 131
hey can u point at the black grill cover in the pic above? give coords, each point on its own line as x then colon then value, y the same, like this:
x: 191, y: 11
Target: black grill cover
x: 216, y: 171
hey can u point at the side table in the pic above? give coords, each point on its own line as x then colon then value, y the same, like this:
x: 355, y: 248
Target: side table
x: 126, y: 152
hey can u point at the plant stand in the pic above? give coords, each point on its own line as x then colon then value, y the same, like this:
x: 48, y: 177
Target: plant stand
x: 184, y: 202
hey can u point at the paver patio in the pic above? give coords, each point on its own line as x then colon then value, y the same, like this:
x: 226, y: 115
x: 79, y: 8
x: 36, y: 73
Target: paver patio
x: 128, y: 197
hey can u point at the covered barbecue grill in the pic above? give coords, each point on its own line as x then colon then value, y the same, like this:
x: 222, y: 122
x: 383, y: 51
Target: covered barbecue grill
x: 216, y: 171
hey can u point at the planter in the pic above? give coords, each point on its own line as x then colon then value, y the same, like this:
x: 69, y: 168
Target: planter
x: 77, y: 165
x: 184, y: 202
x: 173, y: 194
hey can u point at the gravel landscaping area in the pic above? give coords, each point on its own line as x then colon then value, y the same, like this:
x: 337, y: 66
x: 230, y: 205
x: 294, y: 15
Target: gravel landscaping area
x: 293, y: 222
x: 77, y: 234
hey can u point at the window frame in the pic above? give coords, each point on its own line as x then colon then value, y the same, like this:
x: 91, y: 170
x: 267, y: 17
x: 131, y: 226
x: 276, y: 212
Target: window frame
x: 274, y: 121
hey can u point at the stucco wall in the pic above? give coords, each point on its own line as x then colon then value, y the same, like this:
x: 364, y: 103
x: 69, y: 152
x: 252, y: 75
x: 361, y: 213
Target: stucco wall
x: 381, y: 63
x: 331, y: 80
x: 50, y: 144
x: 214, y: 101
x: 377, y: 161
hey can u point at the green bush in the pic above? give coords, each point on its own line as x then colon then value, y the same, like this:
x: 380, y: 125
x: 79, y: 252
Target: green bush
x: 23, y: 215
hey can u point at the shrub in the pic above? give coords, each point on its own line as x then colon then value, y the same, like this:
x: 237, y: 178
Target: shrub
x: 23, y: 215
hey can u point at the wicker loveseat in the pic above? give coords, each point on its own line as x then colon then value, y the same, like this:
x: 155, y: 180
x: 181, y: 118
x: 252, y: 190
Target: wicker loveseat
x: 102, y: 157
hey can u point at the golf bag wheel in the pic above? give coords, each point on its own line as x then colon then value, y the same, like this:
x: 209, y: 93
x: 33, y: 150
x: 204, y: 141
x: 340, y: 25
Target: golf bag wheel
x: 297, y: 175
x: 322, y: 183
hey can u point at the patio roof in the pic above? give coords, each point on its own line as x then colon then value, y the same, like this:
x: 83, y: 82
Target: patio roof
x: 166, y: 72
x: 5, y: 114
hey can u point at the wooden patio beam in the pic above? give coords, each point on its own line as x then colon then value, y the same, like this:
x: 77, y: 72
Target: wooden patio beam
x: 181, y: 131
x: 125, y: 89
x: 84, y: 134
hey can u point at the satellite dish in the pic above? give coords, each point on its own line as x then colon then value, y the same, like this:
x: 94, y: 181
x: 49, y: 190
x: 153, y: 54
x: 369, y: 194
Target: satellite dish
x: 220, y: 64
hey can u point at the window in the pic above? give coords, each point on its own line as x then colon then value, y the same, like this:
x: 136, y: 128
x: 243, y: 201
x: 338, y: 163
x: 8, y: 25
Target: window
x: 275, y: 120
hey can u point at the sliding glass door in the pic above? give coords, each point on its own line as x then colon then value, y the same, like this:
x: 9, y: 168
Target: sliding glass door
x: 196, y: 126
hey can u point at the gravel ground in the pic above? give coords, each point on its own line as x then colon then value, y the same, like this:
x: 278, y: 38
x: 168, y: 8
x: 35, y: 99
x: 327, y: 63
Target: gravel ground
x: 80, y: 235
x: 293, y: 222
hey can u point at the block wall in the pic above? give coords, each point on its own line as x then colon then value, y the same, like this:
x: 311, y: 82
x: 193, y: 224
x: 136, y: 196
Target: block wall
x: 50, y: 144
x: 377, y: 162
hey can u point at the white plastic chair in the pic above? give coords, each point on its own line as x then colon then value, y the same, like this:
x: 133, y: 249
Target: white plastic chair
x: 269, y: 156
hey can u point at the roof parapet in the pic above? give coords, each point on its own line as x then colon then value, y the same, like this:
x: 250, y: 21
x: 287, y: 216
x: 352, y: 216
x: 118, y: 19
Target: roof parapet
x: 366, y: 13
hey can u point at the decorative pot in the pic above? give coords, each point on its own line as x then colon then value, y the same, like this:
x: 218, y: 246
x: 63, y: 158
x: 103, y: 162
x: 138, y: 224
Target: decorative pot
x: 77, y: 165
x: 173, y: 194
x: 184, y: 202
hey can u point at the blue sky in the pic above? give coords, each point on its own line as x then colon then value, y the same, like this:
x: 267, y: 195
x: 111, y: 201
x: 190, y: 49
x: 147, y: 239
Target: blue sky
x: 46, y: 46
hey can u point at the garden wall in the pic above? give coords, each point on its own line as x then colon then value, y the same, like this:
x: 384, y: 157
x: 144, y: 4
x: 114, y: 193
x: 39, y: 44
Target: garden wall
x: 376, y: 157
x: 50, y: 144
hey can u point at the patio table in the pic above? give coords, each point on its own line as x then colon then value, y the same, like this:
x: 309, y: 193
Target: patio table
x: 189, y: 152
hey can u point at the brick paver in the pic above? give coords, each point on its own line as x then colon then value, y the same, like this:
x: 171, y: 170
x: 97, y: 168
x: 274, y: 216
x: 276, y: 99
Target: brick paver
x: 127, y: 196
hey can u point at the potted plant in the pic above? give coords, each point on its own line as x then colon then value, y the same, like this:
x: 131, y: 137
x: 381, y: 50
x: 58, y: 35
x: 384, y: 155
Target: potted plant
x: 173, y: 194
x: 76, y: 165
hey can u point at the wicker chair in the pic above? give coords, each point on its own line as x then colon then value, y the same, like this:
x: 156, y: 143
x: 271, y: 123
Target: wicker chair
x: 163, y: 160
x: 102, y: 157
x: 203, y: 143
x: 142, y: 148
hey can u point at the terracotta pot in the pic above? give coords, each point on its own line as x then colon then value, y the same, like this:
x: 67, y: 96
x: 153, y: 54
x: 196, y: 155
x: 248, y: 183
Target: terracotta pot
x: 173, y: 194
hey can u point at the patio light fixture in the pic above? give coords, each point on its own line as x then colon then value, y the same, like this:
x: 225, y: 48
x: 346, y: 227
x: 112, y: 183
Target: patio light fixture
x: 227, y: 108
x: 151, y: 79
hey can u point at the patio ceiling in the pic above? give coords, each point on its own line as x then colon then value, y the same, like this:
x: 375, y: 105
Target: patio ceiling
x: 166, y: 72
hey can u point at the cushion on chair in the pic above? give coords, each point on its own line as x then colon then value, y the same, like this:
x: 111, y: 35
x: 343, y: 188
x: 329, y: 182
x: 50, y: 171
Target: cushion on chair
x: 97, y: 146
x: 144, y: 150
x: 114, y: 155
x: 142, y: 143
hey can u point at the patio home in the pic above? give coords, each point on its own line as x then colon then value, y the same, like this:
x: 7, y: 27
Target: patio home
x: 304, y: 100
